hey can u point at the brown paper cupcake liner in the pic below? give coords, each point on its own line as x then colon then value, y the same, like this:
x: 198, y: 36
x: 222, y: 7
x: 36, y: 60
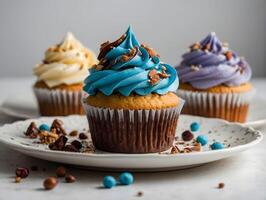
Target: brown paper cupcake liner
x: 132, y: 131
x: 229, y: 106
x: 59, y: 102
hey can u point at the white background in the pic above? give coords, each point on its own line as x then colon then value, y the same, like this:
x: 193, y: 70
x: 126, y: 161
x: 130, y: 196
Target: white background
x: 29, y: 27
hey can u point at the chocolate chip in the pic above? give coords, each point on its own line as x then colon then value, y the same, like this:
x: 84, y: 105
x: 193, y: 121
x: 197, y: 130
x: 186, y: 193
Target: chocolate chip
x: 140, y: 194
x: 22, y: 172
x: 83, y: 136
x: 50, y: 183
x: 32, y: 131
x: 221, y: 185
x: 187, y: 135
x: 60, y: 172
x: 70, y: 179
x: 77, y: 144
x: 58, y: 126
x: 59, y: 144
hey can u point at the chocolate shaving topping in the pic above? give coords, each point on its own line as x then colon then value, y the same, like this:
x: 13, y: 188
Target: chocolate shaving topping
x: 150, y: 51
x: 58, y: 126
x: 154, y: 77
x: 59, y: 144
x: 133, y: 52
x: 32, y: 130
x: 195, y: 46
x: 228, y: 55
x: 106, y: 47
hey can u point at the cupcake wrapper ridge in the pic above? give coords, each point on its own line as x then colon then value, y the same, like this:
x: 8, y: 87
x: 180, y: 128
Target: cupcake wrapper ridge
x: 132, y: 131
x: 59, y: 102
x: 228, y: 106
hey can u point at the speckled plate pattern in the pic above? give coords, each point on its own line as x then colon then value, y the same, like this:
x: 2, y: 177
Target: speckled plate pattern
x: 235, y: 137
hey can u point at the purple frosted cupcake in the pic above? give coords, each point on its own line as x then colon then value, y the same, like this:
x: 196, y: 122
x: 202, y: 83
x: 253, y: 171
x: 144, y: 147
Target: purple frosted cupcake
x: 215, y: 81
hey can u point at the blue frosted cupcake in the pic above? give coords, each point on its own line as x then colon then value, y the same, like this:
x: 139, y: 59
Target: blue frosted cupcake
x: 132, y: 106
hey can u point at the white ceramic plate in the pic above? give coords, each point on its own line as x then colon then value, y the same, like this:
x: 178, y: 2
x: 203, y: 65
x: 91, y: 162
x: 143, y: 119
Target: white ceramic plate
x: 235, y: 137
x: 26, y: 108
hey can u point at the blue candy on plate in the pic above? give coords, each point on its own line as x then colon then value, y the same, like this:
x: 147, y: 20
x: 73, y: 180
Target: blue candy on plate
x: 195, y: 126
x: 217, y: 145
x: 109, y: 182
x: 44, y: 127
x: 202, y: 139
x: 126, y: 178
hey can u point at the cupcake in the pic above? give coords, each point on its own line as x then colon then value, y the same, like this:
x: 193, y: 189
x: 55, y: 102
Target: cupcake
x: 58, y: 88
x: 132, y: 106
x: 214, y: 81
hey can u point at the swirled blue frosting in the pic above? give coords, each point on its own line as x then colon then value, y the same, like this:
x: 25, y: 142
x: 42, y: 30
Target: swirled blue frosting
x: 130, y: 76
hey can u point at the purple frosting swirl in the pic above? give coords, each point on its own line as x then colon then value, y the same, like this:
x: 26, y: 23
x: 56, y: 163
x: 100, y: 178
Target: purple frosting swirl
x: 211, y: 63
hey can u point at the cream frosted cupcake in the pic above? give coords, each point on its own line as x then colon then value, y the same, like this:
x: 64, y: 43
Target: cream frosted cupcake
x: 58, y: 88
x: 132, y: 106
x: 215, y: 81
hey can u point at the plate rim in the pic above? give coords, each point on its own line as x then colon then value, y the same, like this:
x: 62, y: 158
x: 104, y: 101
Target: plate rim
x: 259, y: 138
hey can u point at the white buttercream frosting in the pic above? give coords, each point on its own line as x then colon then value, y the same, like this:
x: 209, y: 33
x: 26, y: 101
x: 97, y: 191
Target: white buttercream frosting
x: 65, y: 63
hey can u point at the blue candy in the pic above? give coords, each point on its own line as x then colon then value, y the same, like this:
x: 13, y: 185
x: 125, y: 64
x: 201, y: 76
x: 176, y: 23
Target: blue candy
x: 126, y: 178
x: 202, y: 139
x: 194, y: 126
x: 44, y: 127
x: 217, y: 145
x: 109, y: 182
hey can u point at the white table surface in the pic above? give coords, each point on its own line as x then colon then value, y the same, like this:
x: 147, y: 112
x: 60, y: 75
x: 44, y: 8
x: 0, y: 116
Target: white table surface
x: 244, y: 175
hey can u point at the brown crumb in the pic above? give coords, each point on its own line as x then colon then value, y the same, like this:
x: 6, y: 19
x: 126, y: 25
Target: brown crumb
x: 140, y: 194
x: 73, y: 133
x: 154, y: 77
x: 221, y: 185
x: 48, y: 137
x: 17, y: 179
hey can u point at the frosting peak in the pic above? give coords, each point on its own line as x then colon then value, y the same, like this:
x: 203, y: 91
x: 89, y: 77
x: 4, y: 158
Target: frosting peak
x: 210, y: 63
x: 65, y: 63
x: 127, y: 67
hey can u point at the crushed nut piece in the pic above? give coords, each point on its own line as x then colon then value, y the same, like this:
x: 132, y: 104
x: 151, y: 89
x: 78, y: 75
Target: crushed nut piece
x: 48, y: 137
x: 175, y: 150
x: 17, y: 179
x: 73, y: 133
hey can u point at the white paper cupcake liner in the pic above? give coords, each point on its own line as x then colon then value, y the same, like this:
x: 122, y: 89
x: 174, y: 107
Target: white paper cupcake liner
x: 132, y: 131
x: 229, y: 106
x: 58, y: 102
